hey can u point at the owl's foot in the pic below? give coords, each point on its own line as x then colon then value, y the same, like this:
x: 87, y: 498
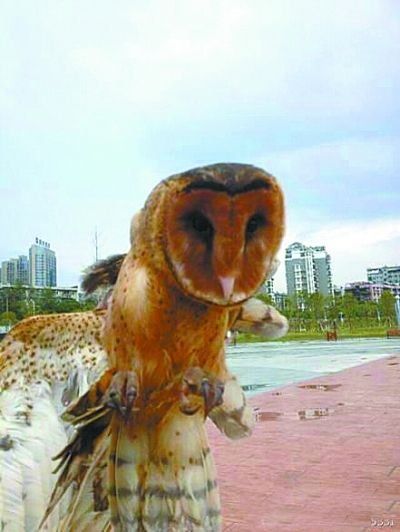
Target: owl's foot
x: 122, y: 392
x: 200, y: 389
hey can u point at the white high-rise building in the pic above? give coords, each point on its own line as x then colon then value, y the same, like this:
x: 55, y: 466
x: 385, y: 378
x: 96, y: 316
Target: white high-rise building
x: 308, y: 269
x: 43, y: 264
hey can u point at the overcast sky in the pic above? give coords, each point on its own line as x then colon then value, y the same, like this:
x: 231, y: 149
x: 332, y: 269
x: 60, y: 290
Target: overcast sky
x: 100, y: 100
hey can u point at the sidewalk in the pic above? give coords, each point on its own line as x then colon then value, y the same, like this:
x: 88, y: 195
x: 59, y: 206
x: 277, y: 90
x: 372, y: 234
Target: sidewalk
x: 325, y: 456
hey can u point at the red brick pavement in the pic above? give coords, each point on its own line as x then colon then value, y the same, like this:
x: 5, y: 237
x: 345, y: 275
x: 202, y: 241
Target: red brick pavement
x: 322, y: 458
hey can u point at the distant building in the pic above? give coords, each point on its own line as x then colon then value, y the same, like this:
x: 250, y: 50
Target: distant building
x: 66, y: 292
x: 267, y: 288
x: 9, y: 272
x: 367, y: 291
x: 15, y: 271
x: 23, y: 270
x: 338, y: 291
x: 384, y: 274
x: 308, y: 269
x: 43, y: 264
x: 280, y: 300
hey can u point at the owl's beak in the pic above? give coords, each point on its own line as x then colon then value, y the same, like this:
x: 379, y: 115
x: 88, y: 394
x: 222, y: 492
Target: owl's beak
x: 227, y: 284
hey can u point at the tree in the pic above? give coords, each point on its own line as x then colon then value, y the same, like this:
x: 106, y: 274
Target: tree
x: 13, y: 299
x: 333, y: 307
x: 67, y: 305
x: 47, y: 304
x: 387, y: 306
x: 349, y: 308
x: 316, y: 305
x: 266, y: 298
x: 8, y: 318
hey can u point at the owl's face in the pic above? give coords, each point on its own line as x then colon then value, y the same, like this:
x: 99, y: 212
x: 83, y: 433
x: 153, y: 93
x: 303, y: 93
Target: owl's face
x: 222, y: 232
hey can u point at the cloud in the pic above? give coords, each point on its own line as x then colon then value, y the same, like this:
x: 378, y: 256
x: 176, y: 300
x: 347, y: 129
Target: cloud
x: 264, y: 60
x: 346, y: 179
x: 358, y: 158
x: 346, y: 237
x: 100, y: 103
x: 277, y: 52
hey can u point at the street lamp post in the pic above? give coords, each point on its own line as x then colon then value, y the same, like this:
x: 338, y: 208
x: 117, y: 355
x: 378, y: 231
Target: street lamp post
x: 32, y: 302
x: 397, y: 309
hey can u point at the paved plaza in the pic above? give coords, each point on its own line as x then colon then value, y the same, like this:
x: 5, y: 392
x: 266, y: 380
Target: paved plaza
x: 325, y: 456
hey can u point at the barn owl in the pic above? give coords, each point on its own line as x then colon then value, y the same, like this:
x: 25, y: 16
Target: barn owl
x: 140, y: 459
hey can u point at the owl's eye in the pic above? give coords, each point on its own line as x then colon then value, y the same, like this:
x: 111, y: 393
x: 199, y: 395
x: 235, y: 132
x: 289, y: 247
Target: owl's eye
x: 200, y: 224
x: 254, y: 223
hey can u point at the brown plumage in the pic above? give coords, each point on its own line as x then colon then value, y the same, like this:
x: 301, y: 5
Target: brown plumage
x: 205, y: 241
x: 203, y: 244
x: 102, y: 273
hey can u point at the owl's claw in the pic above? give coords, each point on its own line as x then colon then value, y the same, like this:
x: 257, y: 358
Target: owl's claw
x: 122, y: 392
x: 200, y: 387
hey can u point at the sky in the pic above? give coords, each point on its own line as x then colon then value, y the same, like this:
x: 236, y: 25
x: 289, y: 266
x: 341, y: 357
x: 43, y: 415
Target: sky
x: 100, y: 100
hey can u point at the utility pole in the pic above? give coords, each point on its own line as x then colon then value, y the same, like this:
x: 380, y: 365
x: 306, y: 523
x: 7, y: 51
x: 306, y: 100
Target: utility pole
x: 96, y: 244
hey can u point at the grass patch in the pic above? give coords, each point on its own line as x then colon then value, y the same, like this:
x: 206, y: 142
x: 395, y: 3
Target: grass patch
x: 370, y: 332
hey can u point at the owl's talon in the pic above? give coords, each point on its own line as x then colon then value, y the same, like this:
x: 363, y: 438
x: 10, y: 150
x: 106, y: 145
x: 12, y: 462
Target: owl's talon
x: 197, y: 385
x: 122, y: 392
x: 212, y: 393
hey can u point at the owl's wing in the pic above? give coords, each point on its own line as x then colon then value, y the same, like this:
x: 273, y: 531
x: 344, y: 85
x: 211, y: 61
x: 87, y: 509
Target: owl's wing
x: 45, y: 361
x: 257, y: 317
x: 103, y: 273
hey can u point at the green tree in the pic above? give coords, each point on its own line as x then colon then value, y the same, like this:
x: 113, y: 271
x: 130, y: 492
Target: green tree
x: 8, y: 318
x: 295, y: 311
x: 333, y: 307
x: 371, y: 310
x: 266, y: 298
x: 316, y: 305
x: 13, y: 300
x: 67, y: 305
x: 349, y: 308
x: 47, y: 303
x: 387, y: 306
x: 88, y: 303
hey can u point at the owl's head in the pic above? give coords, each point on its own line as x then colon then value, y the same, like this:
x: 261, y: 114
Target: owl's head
x: 222, y: 226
